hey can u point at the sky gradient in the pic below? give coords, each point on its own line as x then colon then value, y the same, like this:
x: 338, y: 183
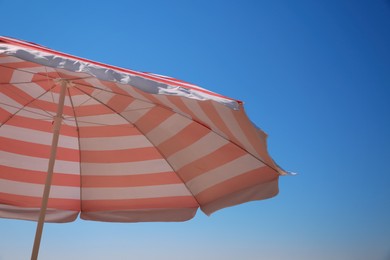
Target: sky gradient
x: 314, y: 75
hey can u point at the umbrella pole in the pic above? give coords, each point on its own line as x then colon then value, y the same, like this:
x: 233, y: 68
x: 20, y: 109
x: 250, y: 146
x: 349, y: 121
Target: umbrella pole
x: 45, y: 197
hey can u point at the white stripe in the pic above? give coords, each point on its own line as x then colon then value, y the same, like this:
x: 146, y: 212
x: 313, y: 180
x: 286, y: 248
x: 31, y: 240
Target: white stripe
x: 95, y: 82
x: 114, y: 143
x: 21, y: 76
x: 138, y: 105
x: 9, y: 104
x: 155, y: 191
x: 230, y: 121
x: 37, y: 164
x: 128, y: 168
x: 35, y: 136
x: 31, y: 89
x: 32, y: 107
x: 8, y: 108
x: 69, y: 121
x: 204, y: 146
x: 168, y: 128
x: 107, y: 119
x: 14, y: 107
x: 103, y: 96
x: 54, y: 97
x: 33, y: 113
x: 82, y: 99
x: 36, y: 190
x: 136, y: 110
x: 225, y: 172
x: 195, y: 108
x: 164, y: 100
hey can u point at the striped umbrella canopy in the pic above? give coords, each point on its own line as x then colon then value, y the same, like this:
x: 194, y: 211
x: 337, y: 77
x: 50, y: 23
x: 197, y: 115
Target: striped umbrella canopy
x: 113, y: 144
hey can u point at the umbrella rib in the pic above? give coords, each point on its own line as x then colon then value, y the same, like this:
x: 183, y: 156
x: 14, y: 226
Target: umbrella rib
x: 31, y: 101
x: 29, y: 72
x: 23, y: 107
x: 110, y: 91
x: 81, y: 121
x: 33, y: 112
x: 148, y: 140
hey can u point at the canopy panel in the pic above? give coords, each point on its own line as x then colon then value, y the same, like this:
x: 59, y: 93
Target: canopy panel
x: 133, y: 146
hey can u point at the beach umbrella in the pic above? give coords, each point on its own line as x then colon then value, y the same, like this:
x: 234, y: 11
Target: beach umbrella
x: 112, y: 144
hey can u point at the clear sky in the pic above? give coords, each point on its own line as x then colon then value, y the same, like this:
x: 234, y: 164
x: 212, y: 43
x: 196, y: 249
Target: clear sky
x: 314, y: 75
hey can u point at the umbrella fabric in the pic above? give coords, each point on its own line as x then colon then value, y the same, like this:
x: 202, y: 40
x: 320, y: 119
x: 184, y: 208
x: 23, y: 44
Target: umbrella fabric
x: 132, y: 147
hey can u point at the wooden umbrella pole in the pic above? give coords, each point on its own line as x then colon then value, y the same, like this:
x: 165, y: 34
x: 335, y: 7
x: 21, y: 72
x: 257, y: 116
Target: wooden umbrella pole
x: 46, y: 192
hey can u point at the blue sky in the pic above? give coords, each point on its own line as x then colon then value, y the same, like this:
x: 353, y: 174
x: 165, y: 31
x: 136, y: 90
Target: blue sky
x: 314, y: 75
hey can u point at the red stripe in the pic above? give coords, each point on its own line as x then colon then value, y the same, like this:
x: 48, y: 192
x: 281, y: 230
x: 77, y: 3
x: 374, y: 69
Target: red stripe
x: 152, y: 119
x: 179, y: 103
x: 116, y: 104
x: 45, y: 79
x: 6, y: 74
x: 35, y: 202
x: 117, y: 156
x: 37, y: 150
x: 142, y: 96
x: 114, y: 88
x: 87, y: 87
x: 209, y: 109
x: 253, y: 136
x: 37, y: 177
x: 130, y: 180
x: 23, y: 98
x: 153, y: 203
x: 4, y: 115
x: 245, y: 180
x: 92, y: 110
x: 37, y: 124
x: 187, y: 136
x: 219, y: 157
x: 23, y: 64
x: 108, y: 131
x: 82, y: 89
x: 16, y: 94
x: 150, y: 97
x: 50, y: 107
x: 119, y: 103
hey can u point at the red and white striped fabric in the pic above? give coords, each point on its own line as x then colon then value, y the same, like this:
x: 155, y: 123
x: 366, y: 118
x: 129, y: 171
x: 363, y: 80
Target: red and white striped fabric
x: 133, y: 146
